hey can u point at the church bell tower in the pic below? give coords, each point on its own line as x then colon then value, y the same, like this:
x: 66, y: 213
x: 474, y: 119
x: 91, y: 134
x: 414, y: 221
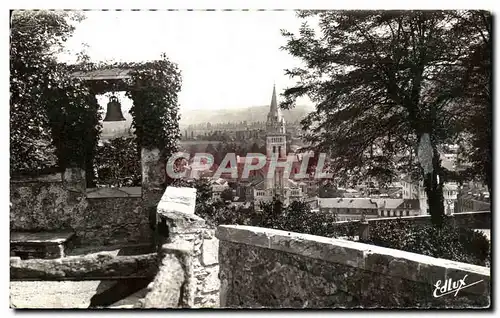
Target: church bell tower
x: 275, y: 142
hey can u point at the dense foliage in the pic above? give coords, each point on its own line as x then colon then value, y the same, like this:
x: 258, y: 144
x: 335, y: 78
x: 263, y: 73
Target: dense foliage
x: 74, y: 120
x: 385, y: 83
x: 118, y: 163
x: 53, y: 120
x: 296, y: 217
x: 155, y: 111
x: 153, y: 88
x: 453, y: 243
x: 477, y: 103
x: 448, y: 242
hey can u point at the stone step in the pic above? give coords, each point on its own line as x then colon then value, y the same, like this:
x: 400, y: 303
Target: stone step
x: 44, y: 245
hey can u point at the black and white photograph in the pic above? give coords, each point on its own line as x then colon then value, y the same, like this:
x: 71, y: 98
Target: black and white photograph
x: 266, y: 158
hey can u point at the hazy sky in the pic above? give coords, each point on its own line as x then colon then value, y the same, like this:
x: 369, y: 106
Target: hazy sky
x: 227, y: 59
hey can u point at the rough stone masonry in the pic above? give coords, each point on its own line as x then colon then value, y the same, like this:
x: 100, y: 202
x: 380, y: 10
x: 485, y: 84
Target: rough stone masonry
x: 198, y: 240
x: 276, y: 269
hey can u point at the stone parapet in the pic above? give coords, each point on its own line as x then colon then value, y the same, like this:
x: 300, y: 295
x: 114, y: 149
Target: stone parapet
x: 250, y: 257
x: 198, y: 240
x: 121, y: 192
x: 171, y: 285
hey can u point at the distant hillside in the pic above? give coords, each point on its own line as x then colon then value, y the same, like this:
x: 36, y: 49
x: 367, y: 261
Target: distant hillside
x: 213, y: 116
x: 250, y: 114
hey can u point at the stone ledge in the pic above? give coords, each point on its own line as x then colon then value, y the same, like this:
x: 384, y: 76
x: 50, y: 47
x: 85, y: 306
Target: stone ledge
x: 39, y: 245
x: 179, y: 222
x: 48, y: 178
x: 471, y: 213
x: 248, y: 235
x: 181, y: 200
x: 40, y: 237
x: 397, y: 263
x: 423, y: 217
x: 121, y: 192
x: 97, y: 266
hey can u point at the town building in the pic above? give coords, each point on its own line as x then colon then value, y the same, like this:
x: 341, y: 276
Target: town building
x: 473, y: 197
x: 218, y: 186
x: 266, y: 187
x: 415, y: 190
x: 349, y: 209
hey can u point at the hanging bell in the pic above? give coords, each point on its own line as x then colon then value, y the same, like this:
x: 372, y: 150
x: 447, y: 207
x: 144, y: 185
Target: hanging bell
x: 114, y: 111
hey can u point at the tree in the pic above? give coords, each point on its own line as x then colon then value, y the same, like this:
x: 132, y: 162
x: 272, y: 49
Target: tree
x: 227, y: 195
x: 477, y: 101
x: 297, y: 217
x: 270, y: 214
x: 254, y: 148
x: 35, y: 79
x: 211, y: 150
x: 118, y: 163
x: 387, y: 87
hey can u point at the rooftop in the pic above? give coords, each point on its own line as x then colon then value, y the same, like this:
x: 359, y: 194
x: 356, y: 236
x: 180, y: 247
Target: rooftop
x: 104, y: 74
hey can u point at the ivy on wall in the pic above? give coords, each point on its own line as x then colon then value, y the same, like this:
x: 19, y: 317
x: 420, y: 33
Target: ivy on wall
x: 39, y: 85
x: 74, y: 121
x: 153, y: 88
x: 117, y: 163
x: 55, y: 118
x: 155, y: 111
x: 74, y: 116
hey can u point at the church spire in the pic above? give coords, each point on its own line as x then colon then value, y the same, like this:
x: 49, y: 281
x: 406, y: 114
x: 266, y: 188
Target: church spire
x: 275, y: 121
x: 274, y: 103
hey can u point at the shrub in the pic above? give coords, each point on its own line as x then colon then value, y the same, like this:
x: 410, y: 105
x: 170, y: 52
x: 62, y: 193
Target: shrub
x: 297, y: 217
x: 52, y: 118
x: 118, y: 163
x: 453, y: 243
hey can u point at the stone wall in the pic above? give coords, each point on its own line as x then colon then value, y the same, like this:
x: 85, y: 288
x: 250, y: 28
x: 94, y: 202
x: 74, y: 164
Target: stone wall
x: 473, y: 220
x: 189, y: 267
x: 198, y: 240
x: 270, y: 268
x: 97, y: 216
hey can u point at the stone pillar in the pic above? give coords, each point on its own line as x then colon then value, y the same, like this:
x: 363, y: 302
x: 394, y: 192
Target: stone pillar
x: 153, y: 178
x: 453, y: 220
x: 364, y: 230
x: 191, y: 232
x: 74, y: 180
x: 170, y: 288
x: 153, y: 174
